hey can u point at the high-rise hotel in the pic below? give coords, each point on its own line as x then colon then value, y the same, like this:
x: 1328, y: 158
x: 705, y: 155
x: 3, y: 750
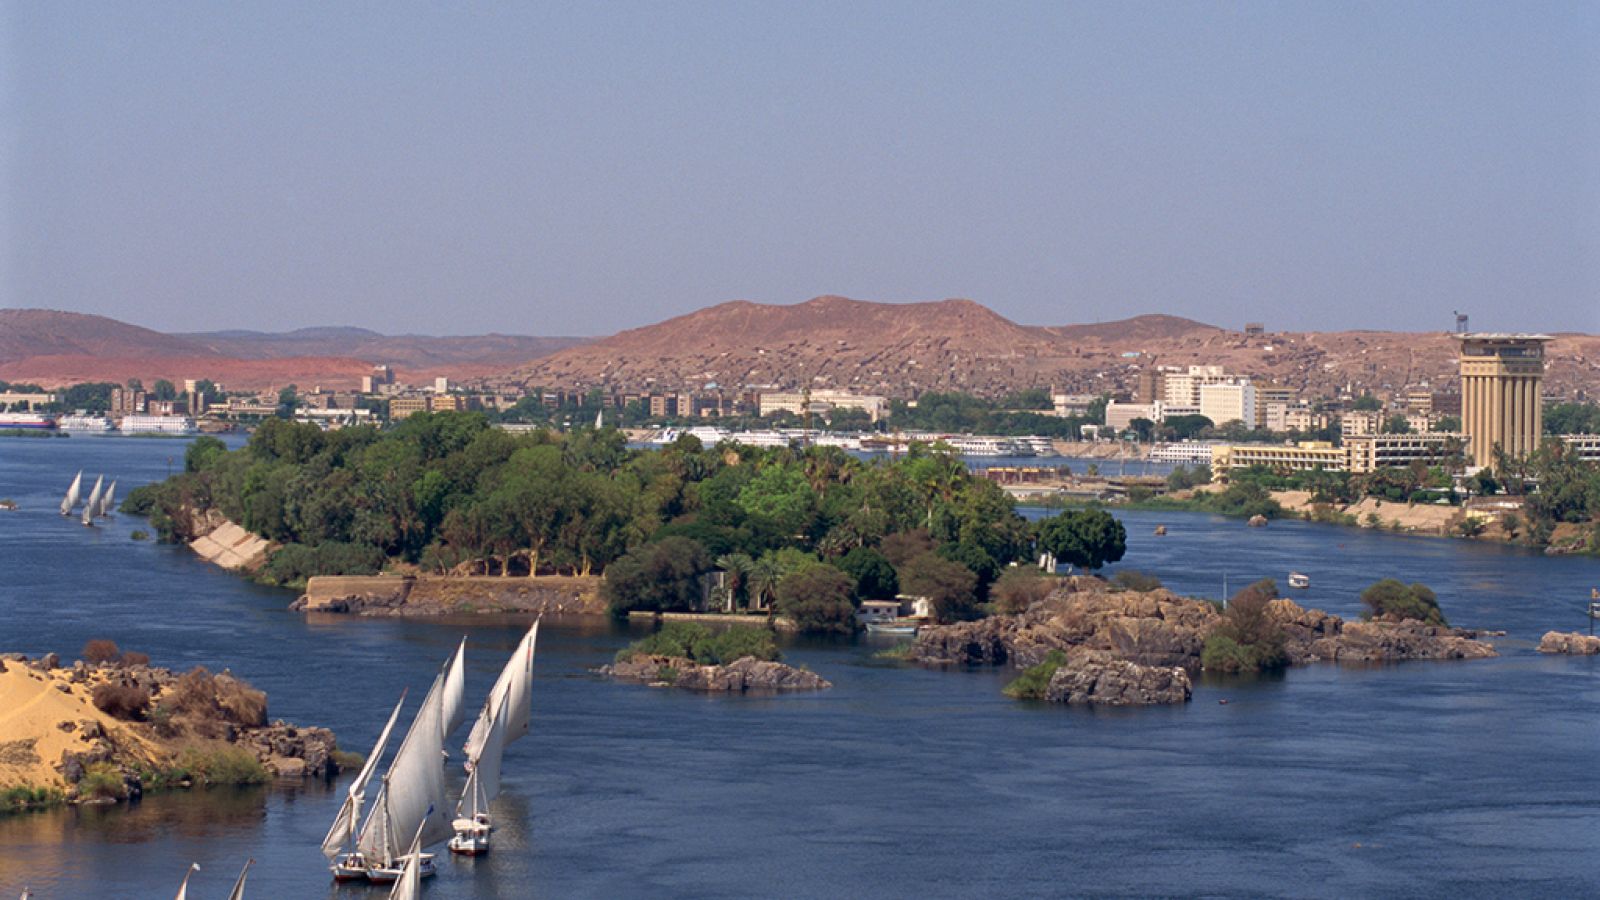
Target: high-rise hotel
x: 1500, y: 400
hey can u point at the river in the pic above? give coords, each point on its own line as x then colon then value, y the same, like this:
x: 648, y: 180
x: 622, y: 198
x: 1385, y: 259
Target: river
x: 1442, y: 779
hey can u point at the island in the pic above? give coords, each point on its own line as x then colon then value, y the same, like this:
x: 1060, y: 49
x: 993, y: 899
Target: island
x: 689, y: 655
x: 111, y: 727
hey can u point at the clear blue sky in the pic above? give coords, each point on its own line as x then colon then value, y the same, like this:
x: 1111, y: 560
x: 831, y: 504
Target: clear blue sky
x: 577, y: 168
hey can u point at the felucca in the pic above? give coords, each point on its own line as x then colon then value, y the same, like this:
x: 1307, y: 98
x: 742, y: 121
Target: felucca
x: 409, y: 885
x: 238, y: 886
x: 353, y: 866
x: 71, y: 500
x: 411, y: 798
x: 183, y: 889
x: 504, y: 718
x: 93, y: 502
x: 107, y: 501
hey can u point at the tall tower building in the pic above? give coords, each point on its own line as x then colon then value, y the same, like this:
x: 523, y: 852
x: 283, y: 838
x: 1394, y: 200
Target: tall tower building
x: 1500, y: 405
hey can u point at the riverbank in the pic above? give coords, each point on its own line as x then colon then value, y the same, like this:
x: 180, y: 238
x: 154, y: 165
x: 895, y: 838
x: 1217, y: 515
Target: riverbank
x: 438, y: 595
x: 105, y: 732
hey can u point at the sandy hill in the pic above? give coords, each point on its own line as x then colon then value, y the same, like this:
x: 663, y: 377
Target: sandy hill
x: 54, y: 348
x: 27, y: 333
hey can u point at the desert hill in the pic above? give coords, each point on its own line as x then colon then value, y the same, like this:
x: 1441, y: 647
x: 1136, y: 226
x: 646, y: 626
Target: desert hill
x: 903, y: 349
x: 53, y: 348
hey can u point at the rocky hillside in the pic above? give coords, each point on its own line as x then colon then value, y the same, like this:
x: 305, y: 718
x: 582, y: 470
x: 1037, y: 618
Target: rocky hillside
x: 904, y: 349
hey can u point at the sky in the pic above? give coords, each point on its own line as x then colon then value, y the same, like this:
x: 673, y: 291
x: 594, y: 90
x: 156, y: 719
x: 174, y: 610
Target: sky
x: 579, y: 168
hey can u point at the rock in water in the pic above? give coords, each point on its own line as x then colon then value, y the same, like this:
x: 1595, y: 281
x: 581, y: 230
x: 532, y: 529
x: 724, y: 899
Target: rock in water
x: 1571, y: 642
x: 744, y: 674
x: 1257, y: 521
x: 1095, y: 678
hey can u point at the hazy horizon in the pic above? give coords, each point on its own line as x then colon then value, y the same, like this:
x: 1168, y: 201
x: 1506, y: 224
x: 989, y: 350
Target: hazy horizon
x: 578, y: 171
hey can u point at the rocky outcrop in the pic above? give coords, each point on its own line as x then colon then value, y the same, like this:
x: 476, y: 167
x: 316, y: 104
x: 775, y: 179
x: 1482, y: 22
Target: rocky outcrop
x: 743, y: 674
x: 1570, y: 642
x: 1315, y: 636
x: 1160, y: 629
x: 1155, y: 628
x: 289, y: 751
x: 438, y: 595
x: 1096, y: 678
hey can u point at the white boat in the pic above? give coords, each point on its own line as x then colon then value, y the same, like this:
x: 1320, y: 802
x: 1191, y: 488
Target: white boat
x: 71, y: 499
x: 409, y: 885
x: 107, y: 500
x: 503, y: 719
x: 26, y: 422
x: 157, y: 425
x: 893, y: 627
x: 352, y: 866
x: 82, y: 421
x: 93, y: 503
x: 1299, y: 580
x: 411, y: 798
x: 472, y: 824
x: 455, y: 687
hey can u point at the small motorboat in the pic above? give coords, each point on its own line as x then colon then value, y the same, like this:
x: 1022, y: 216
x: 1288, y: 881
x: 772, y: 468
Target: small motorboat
x: 1594, y: 609
x: 1299, y: 580
x: 907, y: 629
x: 1161, y: 530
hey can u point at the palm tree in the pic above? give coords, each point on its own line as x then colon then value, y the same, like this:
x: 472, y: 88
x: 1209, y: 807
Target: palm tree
x: 762, y: 581
x: 738, y: 566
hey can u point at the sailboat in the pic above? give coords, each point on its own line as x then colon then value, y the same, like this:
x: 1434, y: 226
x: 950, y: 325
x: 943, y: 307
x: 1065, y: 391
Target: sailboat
x: 93, y: 502
x: 238, y: 886
x: 409, y: 885
x: 71, y: 499
x: 411, y: 797
x: 472, y: 825
x: 183, y: 889
x: 504, y: 718
x: 455, y: 690
x: 106, y: 502
x: 354, y: 866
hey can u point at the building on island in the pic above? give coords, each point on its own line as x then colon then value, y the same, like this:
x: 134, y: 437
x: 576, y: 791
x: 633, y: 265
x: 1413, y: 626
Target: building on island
x: 1305, y: 456
x: 822, y: 401
x: 1378, y: 451
x: 1501, y: 406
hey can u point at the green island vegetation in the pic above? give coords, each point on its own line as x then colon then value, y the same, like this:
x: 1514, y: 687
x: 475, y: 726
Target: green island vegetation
x: 27, y: 798
x: 803, y: 532
x: 694, y: 641
x: 1392, y: 599
x: 1247, y: 639
x: 1035, y: 680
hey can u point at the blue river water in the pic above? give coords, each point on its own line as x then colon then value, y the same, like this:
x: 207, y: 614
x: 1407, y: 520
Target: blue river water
x: 1441, y: 779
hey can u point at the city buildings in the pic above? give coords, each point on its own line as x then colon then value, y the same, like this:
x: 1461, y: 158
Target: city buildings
x: 822, y: 401
x: 1224, y: 402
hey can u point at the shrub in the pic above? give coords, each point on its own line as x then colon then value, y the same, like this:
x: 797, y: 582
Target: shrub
x: 818, y: 599
x: 691, y: 640
x: 1035, y: 680
x: 348, y: 760
x: 1248, y: 638
x: 1135, y: 580
x: 102, y: 781
x: 1394, y: 600
x: 201, y: 695
x: 873, y: 573
x: 225, y: 765
x: 293, y: 564
x: 661, y: 575
x: 135, y: 658
x: 139, y: 534
x: 26, y: 797
x: 100, y: 651
x: 950, y: 585
x: 1019, y: 588
x: 121, y: 701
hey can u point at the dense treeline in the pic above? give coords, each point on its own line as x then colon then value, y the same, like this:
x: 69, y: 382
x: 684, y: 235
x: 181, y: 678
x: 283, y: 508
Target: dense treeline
x: 808, y: 532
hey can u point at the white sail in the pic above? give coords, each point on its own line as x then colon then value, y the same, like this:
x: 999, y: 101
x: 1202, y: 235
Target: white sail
x: 409, y: 885
x: 238, y: 886
x: 412, y: 797
x: 71, y: 499
x: 107, y: 501
x: 93, y: 503
x: 183, y: 889
x: 455, y: 687
x: 514, y: 688
x: 483, y: 783
x: 349, y: 818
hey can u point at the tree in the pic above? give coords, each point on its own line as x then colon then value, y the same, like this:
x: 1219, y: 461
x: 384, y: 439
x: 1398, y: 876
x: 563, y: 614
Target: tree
x: 1248, y: 639
x: 1394, y: 600
x: 949, y: 586
x: 737, y: 566
x: 164, y: 390
x: 1396, y: 425
x: 660, y: 576
x: 1088, y: 538
x: 288, y: 399
x: 1019, y: 588
x: 204, y: 450
x: 874, y: 575
x: 1367, y: 403
x: 1447, y: 424
x: 818, y: 598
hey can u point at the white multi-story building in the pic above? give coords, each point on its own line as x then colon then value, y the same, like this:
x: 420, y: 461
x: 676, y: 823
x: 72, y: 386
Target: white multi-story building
x: 1223, y: 403
x: 1120, y: 416
x: 822, y: 401
x: 1180, y: 387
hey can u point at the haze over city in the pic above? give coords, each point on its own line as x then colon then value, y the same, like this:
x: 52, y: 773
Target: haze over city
x: 547, y: 170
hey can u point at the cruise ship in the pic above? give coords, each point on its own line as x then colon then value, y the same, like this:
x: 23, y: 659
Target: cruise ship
x: 157, y: 425
x: 82, y: 421
x: 28, y: 421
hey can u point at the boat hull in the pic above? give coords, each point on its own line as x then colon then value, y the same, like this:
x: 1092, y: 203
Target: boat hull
x: 389, y: 875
